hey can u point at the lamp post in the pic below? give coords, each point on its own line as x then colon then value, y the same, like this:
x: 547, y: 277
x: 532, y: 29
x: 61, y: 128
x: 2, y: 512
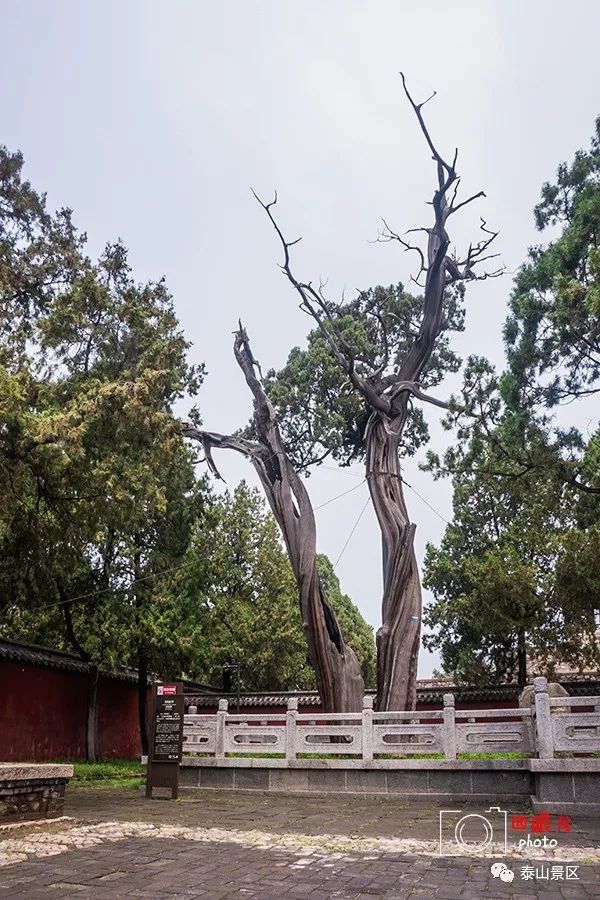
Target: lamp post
x: 235, y: 666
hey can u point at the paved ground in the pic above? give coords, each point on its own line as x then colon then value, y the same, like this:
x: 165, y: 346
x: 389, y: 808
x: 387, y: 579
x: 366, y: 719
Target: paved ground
x: 166, y: 869
x: 116, y: 844
x: 369, y: 816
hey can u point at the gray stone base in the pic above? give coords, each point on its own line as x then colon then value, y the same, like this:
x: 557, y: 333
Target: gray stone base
x: 575, y: 787
x: 570, y: 783
x: 458, y: 781
x: 32, y: 791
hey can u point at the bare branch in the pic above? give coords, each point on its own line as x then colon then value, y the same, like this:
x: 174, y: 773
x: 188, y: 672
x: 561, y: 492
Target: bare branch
x: 389, y: 235
x: 464, y: 269
x: 413, y: 230
x: 386, y: 347
x: 454, y: 193
x: 412, y: 387
x: 453, y: 209
x: 315, y: 304
x: 417, y: 107
x: 212, y: 439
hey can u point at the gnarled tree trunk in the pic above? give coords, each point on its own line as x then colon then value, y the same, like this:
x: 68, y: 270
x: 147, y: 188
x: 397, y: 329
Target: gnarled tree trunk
x: 339, y: 677
x: 398, y: 636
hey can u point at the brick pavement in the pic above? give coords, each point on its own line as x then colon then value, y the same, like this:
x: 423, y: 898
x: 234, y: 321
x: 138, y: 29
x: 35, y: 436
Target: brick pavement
x: 157, y: 868
x: 368, y: 816
x: 265, y: 846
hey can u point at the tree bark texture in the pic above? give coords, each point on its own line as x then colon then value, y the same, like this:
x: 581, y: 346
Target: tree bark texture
x: 521, y: 659
x: 398, y: 636
x: 143, y: 701
x: 91, y: 719
x: 339, y: 678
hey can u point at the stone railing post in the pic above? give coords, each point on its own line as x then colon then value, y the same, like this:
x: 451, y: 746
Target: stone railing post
x: 192, y: 710
x: 543, y: 723
x: 449, y: 727
x: 220, y: 730
x: 290, y: 728
x: 367, y: 729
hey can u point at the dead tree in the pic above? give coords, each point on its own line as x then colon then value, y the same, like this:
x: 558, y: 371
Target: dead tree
x: 339, y: 678
x: 387, y: 393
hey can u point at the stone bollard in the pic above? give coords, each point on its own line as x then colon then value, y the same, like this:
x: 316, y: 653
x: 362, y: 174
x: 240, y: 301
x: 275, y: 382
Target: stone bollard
x: 449, y: 727
x: 220, y: 730
x: 290, y: 728
x: 367, y: 729
x: 543, y: 722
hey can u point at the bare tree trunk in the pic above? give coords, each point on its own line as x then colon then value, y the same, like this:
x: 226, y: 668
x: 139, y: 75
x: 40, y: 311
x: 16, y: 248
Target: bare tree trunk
x: 521, y: 659
x: 142, y: 688
x: 339, y: 678
x: 398, y: 636
x: 91, y: 712
x: 91, y: 718
x: 142, y: 667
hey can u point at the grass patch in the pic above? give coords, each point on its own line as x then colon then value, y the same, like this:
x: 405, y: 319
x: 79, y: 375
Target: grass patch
x: 108, y: 773
x: 329, y: 756
x: 378, y: 756
x: 493, y: 756
x: 254, y: 755
x: 108, y: 768
x: 102, y: 783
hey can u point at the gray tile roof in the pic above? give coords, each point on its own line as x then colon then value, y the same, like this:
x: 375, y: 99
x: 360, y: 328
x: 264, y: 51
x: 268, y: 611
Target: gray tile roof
x: 425, y: 694
x: 47, y: 658
x: 32, y: 655
x: 428, y: 691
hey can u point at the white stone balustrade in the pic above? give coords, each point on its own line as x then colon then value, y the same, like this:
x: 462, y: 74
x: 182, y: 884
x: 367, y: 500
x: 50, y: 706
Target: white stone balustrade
x: 538, y: 731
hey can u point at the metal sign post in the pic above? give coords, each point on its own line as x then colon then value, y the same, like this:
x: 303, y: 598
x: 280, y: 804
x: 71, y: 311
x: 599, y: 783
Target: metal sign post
x: 166, y: 738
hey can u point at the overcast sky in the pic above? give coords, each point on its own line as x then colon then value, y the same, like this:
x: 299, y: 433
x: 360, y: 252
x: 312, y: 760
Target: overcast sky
x: 152, y: 121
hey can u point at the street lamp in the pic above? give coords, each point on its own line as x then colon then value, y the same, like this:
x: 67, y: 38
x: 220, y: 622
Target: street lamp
x: 235, y: 666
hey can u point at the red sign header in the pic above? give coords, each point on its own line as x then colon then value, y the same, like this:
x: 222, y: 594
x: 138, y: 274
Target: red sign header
x: 166, y: 690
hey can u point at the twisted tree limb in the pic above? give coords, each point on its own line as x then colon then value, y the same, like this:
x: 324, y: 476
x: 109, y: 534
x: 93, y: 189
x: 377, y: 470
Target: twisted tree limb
x: 339, y: 677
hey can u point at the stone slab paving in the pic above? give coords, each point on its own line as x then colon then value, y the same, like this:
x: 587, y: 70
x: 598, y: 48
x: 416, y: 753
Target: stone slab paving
x: 251, y: 846
x: 368, y: 816
x: 167, y: 868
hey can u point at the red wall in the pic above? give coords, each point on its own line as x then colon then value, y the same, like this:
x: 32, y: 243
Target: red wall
x: 43, y: 715
x: 118, y: 725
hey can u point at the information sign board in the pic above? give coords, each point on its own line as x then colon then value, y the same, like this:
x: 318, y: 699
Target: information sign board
x: 166, y: 738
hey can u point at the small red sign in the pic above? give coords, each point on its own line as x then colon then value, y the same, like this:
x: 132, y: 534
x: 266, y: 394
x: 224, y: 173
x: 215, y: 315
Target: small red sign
x: 169, y: 689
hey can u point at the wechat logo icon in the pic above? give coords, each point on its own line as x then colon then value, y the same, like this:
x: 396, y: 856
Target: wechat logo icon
x: 501, y: 871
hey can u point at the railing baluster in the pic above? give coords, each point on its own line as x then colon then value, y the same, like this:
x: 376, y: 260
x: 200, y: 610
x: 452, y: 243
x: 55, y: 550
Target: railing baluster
x: 290, y: 728
x: 367, y: 729
x: 449, y: 727
x: 220, y: 730
x: 543, y: 722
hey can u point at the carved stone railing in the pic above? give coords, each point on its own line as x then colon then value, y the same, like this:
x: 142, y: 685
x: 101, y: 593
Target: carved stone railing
x: 549, y: 726
x: 560, y: 730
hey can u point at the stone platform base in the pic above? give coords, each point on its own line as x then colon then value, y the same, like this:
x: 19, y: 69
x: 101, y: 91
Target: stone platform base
x: 566, y: 785
x: 571, y: 784
x: 32, y: 791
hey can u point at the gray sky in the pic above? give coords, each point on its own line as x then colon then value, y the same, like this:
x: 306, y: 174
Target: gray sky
x: 151, y: 120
